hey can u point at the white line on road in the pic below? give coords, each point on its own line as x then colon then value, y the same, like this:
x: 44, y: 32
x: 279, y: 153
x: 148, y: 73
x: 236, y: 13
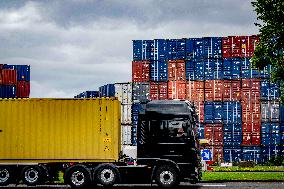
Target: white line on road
x: 215, y: 185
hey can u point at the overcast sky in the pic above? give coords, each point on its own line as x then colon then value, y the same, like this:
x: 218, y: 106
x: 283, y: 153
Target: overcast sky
x: 78, y: 45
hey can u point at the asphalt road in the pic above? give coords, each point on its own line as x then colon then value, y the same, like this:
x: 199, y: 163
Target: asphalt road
x: 248, y: 185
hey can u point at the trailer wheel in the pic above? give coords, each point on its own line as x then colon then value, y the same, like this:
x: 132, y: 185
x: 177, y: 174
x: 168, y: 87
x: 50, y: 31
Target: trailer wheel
x: 106, y: 175
x: 77, y: 177
x: 166, y: 176
x: 5, y: 175
x: 32, y: 175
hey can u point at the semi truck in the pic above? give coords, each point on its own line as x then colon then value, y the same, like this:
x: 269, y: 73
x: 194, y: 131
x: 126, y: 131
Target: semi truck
x: 81, y: 138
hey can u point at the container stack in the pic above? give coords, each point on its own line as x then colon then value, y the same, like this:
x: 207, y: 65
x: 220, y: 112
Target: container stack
x: 107, y: 90
x: 88, y: 94
x: 271, y: 132
x: 123, y: 92
x: 14, y: 81
x: 238, y: 105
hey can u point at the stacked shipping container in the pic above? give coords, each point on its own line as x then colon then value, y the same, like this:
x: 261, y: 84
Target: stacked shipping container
x: 14, y: 81
x: 88, y: 94
x: 236, y: 103
x: 123, y: 92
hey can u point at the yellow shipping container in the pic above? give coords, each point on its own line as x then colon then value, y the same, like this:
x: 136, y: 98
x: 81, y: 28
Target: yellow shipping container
x: 59, y: 130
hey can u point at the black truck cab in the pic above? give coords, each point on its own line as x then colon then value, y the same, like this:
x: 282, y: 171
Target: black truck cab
x: 167, y: 140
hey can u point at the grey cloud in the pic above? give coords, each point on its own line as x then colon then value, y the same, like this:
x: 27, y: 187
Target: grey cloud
x: 80, y: 45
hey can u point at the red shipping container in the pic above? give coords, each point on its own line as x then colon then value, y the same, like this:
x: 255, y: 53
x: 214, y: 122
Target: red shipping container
x: 23, y: 89
x: 214, y: 90
x: 176, y: 70
x: 177, y: 90
x: 251, y: 90
x: 248, y: 44
x: 214, y: 134
x: 236, y: 46
x: 195, y: 91
x: 140, y: 71
x: 0, y: 77
x: 236, y: 90
x: 255, y: 139
x: 226, y: 47
x: 251, y: 112
x: 9, y: 77
x: 199, y: 107
x: 231, y: 46
x: 158, y: 90
x: 251, y: 127
x: 217, y: 153
x: 246, y: 139
x: 251, y: 138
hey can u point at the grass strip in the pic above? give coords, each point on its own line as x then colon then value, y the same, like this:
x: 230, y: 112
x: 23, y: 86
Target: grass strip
x: 254, y: 169
x: 243, y: 176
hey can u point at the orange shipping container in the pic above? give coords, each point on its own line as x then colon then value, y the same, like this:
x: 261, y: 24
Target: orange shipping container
x: 176, y: 90
x: 214, y: 90
x: 158, y: 90
x: 176, y: 70
x: 140, y: 71
x: 195, y: 91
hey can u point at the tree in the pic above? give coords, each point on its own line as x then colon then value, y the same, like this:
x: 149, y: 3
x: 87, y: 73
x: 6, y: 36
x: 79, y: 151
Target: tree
x: 270, y: 13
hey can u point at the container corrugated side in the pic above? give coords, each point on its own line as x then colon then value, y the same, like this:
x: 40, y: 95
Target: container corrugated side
x: 123, y: 91
x: 126, y: 134
x: 58, y: 130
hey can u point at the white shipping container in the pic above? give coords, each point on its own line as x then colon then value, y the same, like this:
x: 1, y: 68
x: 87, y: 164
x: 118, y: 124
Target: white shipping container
x: 125, y: 134
x: 126, y: 113
x: 123, y: 91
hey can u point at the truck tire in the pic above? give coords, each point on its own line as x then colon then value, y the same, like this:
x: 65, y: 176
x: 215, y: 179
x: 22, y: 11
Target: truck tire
x: 166, y: 176
x: 5, y: 175
x: 106, y: 175
x: 32, y: 175
x: 77, y: 177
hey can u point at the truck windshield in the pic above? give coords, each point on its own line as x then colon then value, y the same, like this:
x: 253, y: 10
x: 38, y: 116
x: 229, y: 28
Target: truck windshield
x: 170, y: 128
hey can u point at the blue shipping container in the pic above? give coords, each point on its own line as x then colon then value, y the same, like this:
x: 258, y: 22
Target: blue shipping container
x: 176, y: 49
x: 251, y: 153
x: 212, y: 47
x: 235, y: 127
x: 233, y: 138
x: 232, y: 154
x: 232, y: 112
x: 270, y: 151
x: 232, y: 68
x: 248, y: 71
x: 213, y: 112
x: 199, y: 70
x: 160, y: 50
x: 201, y: 131
x: 269, y: 90
x: 159, y: 71
x: 143, y: 50
x: 7, y: 91
x: 190, y: 69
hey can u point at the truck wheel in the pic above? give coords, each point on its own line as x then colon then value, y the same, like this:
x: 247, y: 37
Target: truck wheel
x: 106, y: 175
x: 77, y: 177
x: 32, y: 175
x: 166, y: 176
x: 5, y: 175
